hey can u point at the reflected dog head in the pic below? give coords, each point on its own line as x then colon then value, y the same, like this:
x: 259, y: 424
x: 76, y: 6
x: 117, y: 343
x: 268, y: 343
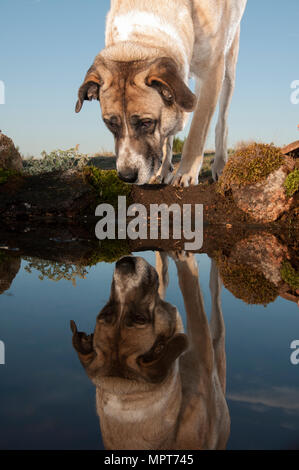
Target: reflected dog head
x: 137, y: 336
x: 143, y: 102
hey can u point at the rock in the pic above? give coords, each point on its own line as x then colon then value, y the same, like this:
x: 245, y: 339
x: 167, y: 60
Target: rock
x: 259, y: 269
x: 256, y: 176
x: 292, y: 149
x: 62, y: 194
x: 9, y: 268
x: 10, y: 158
x: 264, y: 201
x: 263, y: 253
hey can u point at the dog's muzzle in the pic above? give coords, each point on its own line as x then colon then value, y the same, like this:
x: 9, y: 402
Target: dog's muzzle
x: 130, y: 176
x: 126, y: 265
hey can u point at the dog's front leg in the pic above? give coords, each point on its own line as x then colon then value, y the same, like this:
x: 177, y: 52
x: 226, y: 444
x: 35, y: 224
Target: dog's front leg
x: 192, y: 158
x: 225, y: 99
x: 162, y: 270
x: 164, y: 174
x: 217, y: 325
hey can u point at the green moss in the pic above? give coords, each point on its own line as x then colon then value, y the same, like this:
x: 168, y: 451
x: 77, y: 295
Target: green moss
x: 289, y: 275
x: 3, y: 256
x: 246, y: 283
x: 291, y: 183
x: 249, y: 165
x: 107, y: 184
x: 109, y: 251
x: 5, y: 174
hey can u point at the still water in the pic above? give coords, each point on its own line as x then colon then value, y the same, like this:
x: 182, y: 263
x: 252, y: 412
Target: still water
x: 49, y: 401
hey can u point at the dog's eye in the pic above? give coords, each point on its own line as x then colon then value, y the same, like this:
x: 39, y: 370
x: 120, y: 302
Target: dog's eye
x: 106, y: 315
x: 136, y: 318
x: 146, y: 123
x: 112, y: 124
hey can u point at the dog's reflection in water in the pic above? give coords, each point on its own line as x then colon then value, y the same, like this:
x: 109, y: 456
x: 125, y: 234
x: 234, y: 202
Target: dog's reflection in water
x: 157, y: 387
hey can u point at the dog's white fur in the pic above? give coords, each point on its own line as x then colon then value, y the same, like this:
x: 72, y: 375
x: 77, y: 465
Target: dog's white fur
x: 203, y: 35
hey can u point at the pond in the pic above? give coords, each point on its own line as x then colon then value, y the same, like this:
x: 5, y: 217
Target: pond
x: 151, y: 385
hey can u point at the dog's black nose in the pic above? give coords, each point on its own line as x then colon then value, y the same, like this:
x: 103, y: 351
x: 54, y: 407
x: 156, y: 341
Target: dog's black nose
x: 126, y: 265
x: 130, y: 176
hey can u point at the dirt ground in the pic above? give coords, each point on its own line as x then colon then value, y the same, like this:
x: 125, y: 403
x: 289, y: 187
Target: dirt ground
x: 109, y: 163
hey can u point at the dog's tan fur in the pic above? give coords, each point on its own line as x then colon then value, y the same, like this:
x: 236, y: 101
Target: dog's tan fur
x: 151, y: 49
x: 152, y: 391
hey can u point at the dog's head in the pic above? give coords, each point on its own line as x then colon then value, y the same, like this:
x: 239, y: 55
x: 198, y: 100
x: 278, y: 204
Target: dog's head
x: 143, y: 103
x: 138, y: 336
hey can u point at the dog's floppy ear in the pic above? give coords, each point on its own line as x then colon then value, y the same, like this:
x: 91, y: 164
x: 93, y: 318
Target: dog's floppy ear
x: 92, y: 361
x: 95, y: 78
x: 156, y: 363
x: 83, y: 344
x: 164, y: 76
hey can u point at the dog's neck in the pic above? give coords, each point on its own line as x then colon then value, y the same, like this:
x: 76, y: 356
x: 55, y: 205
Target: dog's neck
x: 131, y: 51
x: 141, y: 420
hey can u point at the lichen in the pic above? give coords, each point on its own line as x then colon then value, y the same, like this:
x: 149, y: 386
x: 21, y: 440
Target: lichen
x: 246, y: 283
x: 55, y: 271
x: 107, y: 185
x: 291, y: 183
x: 57, y: 160
x: 289, y: 275
x: 249, y: 165
x: 109, y: 251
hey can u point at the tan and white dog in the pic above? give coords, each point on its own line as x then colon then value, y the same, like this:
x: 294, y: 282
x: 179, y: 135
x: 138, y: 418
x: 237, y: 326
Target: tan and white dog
x: 141, y: 81
x: 157, y: 387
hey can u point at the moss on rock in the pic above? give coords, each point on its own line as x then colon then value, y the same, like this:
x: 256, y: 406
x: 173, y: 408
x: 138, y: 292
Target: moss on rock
x: 109, y: 251
x: 290, y: 275
x: 6, y: 174
x: 246, y: 283
x: 3, y: 256
x: 107, y: 184
x: 292, y: 183
x: 249, y: 165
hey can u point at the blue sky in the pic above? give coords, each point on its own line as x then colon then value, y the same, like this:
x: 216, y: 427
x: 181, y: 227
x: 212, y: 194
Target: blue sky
x: 47, y: 46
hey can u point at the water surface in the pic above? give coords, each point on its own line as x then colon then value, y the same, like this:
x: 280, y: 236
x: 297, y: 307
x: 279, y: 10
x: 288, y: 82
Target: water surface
x: 48, y: 402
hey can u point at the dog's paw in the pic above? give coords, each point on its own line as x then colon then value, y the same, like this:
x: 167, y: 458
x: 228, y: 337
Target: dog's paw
x: 179, y: 255
x: 217, y: 168
x: 184, y: 180
x: 187, y: 175
x: 185, y: 260
x: 164, y: 175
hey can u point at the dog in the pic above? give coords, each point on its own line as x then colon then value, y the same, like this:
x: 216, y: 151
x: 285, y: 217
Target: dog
x: 156, y: 386
x: 141, y: 81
